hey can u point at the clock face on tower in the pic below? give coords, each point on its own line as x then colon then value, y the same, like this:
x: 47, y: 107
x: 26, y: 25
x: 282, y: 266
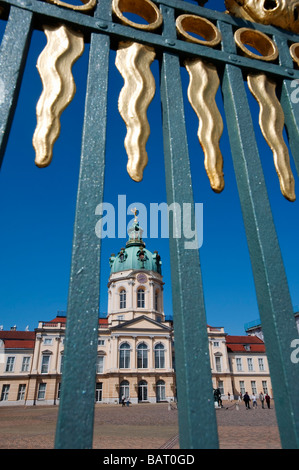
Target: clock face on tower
x: 141, y: 278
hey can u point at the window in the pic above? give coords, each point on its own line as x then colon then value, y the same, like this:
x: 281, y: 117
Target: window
x: 45, y: 363
x: 142, y: 391
x: 220, y: 386
x: 239, y: 364
x: 58, y: 391
x: 99, y: 391
x: 159, y: 356
x: 100, y: 364
x: 142, y: 362
x: 160, y: 390
x: 124, y: 356
x: 261, y: 363
x: 218, y: 363
x: 216, y: 344
x: 122, y: 299
x: 25, y: 364
x: 47, y: 341
x: 5, y: 392
x: 253, y: 387
x: 140, y: 298
x: 250, y: 364
x: 41, y: 391
x: 120, y: 317
x: 10, y: 364
x: 124, y: 389
x: 101, y: 342
x: 242, y: 387
x: 21, y: 392
x: 265, y: 387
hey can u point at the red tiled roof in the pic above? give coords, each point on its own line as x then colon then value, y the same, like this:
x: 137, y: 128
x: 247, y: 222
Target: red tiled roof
x: 18, y: 339
x: 58, y: 319
x: 236, y: 344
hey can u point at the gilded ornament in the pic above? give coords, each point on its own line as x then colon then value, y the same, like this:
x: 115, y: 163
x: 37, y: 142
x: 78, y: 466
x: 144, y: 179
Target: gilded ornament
x: 259, y: 41
x: 88, y: 5
x: 271, y: 120
x: 54, y: 64
x: 281, y: 13
x: 133, y: 60
x: 203, y: 85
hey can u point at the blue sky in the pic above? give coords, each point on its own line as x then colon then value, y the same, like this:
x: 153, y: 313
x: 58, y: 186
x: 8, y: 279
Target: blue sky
x: 37, y: 209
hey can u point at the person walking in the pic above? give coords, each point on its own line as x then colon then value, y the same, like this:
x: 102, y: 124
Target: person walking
x: 267, y: 398
x: 254, y: 402
x: 246, y: 399
x: 262, y: 399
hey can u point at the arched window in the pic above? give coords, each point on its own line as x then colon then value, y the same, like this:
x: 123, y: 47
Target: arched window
x: 159, y: 356
x: 124, y: 356
x: 140, y: 298
x: 142, y: 362
x: 124, y: 390
x: 142, y: 391
x: 160, y: 390
x: 122, y: 298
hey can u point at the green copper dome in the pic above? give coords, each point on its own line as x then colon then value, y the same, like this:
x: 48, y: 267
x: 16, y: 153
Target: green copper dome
x: 135, y: 255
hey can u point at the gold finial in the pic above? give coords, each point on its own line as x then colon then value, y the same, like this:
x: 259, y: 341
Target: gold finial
x: 135, y: 214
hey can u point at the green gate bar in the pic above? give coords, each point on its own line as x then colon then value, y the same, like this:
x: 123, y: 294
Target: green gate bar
x: 76, y: 409
x: 271, y: 284
x: 13, y: 54
x: 197, y: 422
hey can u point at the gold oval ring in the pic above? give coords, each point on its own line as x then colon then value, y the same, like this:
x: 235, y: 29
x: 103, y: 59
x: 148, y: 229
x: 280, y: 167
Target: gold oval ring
x: 198, y: 25
x: 294, y: 51
x: 88, y: 5
x: 259, y: 41
x: 145, y: 8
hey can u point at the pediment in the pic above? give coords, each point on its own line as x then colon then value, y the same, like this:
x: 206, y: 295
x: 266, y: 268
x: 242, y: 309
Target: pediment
x: 142, y: 323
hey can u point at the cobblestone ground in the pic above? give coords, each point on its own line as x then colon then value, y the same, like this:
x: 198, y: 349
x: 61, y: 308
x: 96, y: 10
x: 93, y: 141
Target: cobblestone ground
x: 142, y: 426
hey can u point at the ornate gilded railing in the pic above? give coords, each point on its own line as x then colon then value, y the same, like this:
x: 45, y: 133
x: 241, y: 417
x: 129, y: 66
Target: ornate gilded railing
x: 216, y: 50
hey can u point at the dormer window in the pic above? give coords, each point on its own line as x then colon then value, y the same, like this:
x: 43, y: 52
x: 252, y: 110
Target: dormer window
x: 247, y: 347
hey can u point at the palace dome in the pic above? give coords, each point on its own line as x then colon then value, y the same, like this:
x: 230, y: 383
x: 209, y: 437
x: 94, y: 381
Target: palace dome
x: 135, y: 255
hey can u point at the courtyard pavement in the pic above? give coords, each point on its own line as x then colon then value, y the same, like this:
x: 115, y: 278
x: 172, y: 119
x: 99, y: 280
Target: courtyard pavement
x: 142, y: 426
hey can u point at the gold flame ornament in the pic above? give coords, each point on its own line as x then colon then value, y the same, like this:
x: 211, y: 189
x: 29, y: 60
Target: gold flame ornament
x: 281, y: 13
x: 271, y: 116
x: 54, y: 64
x: 133, y: 60
x: 203, y: 85
x: 271, y: 119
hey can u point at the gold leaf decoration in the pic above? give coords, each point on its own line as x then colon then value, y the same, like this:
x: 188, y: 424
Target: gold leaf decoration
x: 54, y: 64
x: 203, y: 86
x: 281, y: 13
x: 271, y: 120
x: 133, y: 61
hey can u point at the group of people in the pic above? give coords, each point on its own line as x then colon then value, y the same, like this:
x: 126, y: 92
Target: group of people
x: 262, y: 397
x: 125, y: 401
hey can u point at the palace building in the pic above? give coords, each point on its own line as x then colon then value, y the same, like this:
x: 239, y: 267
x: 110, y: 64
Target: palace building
x: 135, y: 345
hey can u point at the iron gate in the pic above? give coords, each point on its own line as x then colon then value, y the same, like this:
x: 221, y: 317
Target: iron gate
x: 221, y: 60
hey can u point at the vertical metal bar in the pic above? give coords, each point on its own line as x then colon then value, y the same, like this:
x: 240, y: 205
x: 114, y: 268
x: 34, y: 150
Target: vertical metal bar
x: 76, y: 410
x: 271, y: 284
x: 197, y: 419
x: 289, y: 99
x: 13, y: 54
